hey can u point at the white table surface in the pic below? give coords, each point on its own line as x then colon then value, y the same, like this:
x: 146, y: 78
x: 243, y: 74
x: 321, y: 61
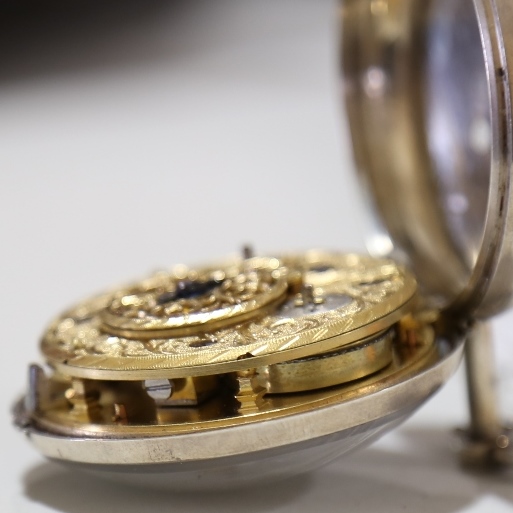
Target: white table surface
x: 138, y: 134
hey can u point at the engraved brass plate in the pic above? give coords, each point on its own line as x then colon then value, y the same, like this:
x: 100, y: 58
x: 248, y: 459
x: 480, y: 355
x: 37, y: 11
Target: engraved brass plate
x: 352, y: 297
x: 188, y: 301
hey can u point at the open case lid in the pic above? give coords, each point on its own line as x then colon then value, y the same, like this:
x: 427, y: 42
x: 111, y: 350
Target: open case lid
x: 428, y: 91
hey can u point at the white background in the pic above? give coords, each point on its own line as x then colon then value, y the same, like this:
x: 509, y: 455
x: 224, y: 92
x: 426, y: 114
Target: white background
x: 136, y: 134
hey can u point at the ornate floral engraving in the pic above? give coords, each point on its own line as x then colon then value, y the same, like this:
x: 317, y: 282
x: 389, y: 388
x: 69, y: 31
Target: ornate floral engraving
x: 358, y: 291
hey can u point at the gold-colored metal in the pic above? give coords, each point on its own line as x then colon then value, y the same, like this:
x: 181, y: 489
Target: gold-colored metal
x: 190, y: 301
x: 239, y: 399
x: 182, y: 391
x: 249, y: 393
x: 83, y: 397
x: 361, y: 297
x: 349, y: 363
x: 323, y: 326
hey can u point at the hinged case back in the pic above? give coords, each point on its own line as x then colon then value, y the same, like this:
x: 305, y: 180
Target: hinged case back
x: 428, y: 96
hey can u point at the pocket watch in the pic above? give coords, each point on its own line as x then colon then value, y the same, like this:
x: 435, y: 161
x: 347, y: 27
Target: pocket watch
x: 260, y: 367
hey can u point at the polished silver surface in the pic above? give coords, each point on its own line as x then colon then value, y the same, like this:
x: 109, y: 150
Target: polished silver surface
x: 428, y: 94
x: 457, y: 113
x: 258, y: 469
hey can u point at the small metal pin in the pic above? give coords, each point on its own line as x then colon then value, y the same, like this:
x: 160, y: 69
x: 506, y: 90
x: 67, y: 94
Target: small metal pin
x: 308, y: 294
x: 37, y: 386
x: 120, y: 414
x: 248, y: 252
x: 307, y: 297
x: 159, y: 389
